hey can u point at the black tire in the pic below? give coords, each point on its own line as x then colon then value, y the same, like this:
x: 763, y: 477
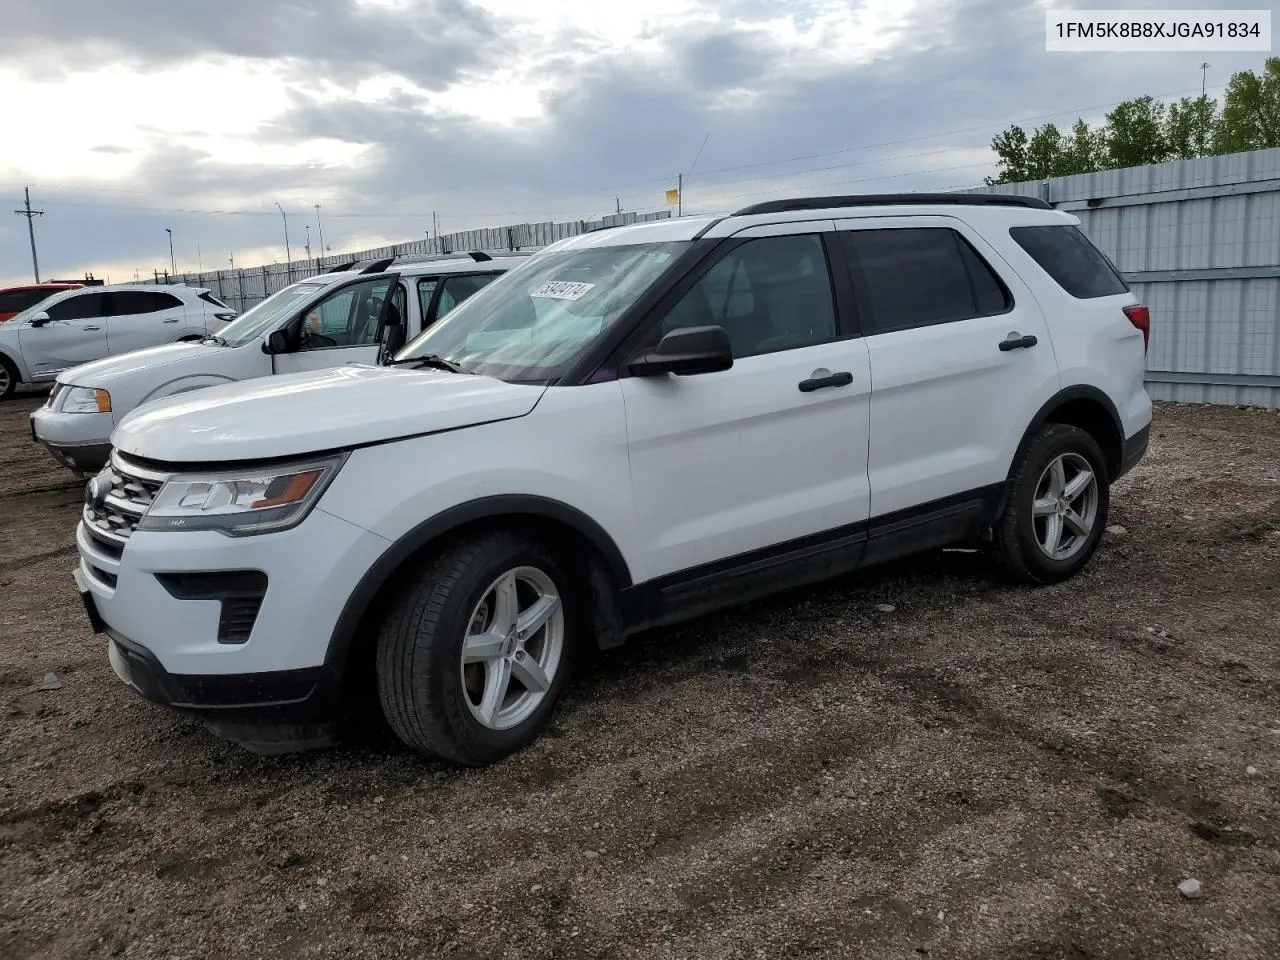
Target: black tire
x: 419, y: 671
x: 1014, y: 542
x: 8, y: 378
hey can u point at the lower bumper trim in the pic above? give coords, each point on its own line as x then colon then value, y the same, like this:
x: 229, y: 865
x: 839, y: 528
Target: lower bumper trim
x: 84, y: 457
x: 1134, y: 449
x: 275, y: 712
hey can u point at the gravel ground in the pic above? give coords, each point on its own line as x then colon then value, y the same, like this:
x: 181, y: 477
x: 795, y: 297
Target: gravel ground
x: 983, y: 771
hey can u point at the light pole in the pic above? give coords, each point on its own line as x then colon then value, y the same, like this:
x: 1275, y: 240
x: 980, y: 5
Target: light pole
x: 173, y: 266
x: 288, y: 255
x: 320, y: 230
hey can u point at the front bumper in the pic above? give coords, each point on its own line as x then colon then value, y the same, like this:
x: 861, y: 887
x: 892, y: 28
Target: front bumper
x: 78, y: 441
x: 252, y: 664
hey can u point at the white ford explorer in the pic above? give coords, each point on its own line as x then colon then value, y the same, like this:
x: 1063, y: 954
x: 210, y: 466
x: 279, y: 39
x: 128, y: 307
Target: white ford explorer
x: 339, y: 317
x: 633, y: 427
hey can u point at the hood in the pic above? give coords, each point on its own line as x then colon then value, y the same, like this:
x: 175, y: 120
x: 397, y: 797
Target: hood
x: 102, y: 373
x: 303, y: 413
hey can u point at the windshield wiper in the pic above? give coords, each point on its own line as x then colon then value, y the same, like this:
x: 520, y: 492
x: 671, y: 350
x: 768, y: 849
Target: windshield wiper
x: 430, y: 360
x: 212, y: 339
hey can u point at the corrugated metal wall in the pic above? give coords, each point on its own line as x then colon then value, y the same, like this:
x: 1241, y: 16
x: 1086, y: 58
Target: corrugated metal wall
x: 1199, y: 241
x: 242, y: 287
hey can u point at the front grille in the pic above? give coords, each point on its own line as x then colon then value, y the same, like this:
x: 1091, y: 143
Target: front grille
x: 131, y: 490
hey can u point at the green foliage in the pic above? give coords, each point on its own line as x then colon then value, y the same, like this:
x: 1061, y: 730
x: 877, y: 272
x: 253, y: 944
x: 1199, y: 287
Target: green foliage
x: 1145, y: 130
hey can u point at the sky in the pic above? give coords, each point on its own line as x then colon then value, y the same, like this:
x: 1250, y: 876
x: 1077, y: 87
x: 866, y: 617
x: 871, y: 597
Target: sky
x: 127, y: 117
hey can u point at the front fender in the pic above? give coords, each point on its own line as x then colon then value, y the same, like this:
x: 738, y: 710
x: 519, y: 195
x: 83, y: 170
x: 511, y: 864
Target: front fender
x: 14, y: 356
x: 184, y: 384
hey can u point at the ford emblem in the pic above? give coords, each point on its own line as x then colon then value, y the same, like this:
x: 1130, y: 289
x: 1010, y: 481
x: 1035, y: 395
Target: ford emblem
x: 95, y: 493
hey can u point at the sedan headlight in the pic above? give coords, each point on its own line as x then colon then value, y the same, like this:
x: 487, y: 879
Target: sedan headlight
x: 242, y: 503
x: 86, y: 400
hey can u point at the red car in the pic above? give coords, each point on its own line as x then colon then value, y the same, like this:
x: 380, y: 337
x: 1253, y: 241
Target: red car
x: 13, y: 300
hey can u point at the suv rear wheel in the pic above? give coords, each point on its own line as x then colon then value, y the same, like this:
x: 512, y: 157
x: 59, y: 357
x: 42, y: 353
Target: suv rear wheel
x: 477, y: 649
x: 1056, y: 506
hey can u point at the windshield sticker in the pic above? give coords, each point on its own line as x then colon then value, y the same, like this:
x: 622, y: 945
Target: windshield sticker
x: 562, y: 290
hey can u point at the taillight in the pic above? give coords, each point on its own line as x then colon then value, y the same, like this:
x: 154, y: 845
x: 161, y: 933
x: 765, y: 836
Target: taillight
x: 1140, y: 317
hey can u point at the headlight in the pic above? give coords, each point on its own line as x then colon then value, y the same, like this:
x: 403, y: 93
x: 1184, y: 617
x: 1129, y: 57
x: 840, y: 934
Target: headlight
x: 86, y: 400
x: 242, y: 503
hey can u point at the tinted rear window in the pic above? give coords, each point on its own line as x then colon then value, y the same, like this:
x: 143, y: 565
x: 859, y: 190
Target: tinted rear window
x: 208, y: 297
x: 1071, y: 259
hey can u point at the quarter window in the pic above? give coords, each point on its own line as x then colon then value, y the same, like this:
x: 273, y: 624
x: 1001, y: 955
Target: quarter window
x: 457, y: 289
x: 920, y: 276
x: 769, y: 294
x: 1074, y: 263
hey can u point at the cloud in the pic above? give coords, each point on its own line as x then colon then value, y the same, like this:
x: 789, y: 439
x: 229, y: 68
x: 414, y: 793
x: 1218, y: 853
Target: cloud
x: 564, y: 114
x: 108, y: 148
x: 430, y: 42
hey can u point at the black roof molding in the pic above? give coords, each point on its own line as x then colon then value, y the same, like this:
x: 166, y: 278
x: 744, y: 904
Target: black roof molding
x: 342, y: 267
x: 379, y: 265
x: 893, y: 199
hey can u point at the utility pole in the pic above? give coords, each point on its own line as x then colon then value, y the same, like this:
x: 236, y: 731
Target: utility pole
x: 1204, y: 77
x: 173, y: 264
x: 199, y: 259
x: 679, y: 194
x: 435, y: 229
x: 320, y: 230
x: 288, y: 255
x: 307, y: 245
x: 31, y: 229
x: 617, y: 205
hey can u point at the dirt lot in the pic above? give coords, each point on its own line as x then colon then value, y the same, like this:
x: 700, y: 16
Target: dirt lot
x: 983, y: 771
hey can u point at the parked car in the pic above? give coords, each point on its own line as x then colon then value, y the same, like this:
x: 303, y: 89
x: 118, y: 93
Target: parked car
x: 13, y: 300
x: 634, y: 427
x: 76, y: 326
x: 320, y: 322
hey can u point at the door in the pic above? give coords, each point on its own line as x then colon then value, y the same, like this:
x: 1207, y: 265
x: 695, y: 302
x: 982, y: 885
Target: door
x: 773, y: 449
x: 342, y: 328
x: 76, y: 333
x: 143, y: 318
x: 959, y: 355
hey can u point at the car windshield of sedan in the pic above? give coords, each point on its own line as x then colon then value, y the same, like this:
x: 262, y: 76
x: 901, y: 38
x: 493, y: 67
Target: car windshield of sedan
x: 532, y: 323
x: 263, y: 316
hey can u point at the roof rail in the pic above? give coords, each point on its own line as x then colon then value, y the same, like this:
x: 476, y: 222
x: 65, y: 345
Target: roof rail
x: 379, y: 265
x: 479, y: 256
x: 342, y: 267
x: 894, y: 199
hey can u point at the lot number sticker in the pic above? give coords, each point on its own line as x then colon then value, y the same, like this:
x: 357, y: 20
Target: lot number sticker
x: 562, y: 290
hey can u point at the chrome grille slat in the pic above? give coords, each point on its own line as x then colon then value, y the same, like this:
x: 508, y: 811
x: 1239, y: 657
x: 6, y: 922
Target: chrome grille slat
x: 132, y: 491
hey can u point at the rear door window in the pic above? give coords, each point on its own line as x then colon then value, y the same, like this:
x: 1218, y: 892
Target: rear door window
x: 125, y: 303
x: 920, y: 276
x: 1071, y: 259
x: 457, y: 289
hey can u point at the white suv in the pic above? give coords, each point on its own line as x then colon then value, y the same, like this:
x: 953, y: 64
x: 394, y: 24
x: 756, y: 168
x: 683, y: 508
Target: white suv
x: 635, y: 426
x: 324, y: 321
x: 77, y: 326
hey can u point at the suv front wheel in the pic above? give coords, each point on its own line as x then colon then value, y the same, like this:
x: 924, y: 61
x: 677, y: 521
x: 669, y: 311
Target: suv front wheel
x: 477, y: 649
x: 1055, y: 508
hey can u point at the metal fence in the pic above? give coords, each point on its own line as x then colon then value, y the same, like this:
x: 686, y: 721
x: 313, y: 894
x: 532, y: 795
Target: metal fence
x: 242, y: 287
x: 1199, y: 241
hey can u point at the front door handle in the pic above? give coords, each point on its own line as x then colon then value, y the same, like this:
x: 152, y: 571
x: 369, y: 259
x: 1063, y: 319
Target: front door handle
x: 171, y: 320
x: 842, y: 379
x: 1015, y: 341
x: 90, y: 328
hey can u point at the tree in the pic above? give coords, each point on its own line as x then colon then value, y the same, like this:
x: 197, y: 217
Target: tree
x: 1082, y: 151
x: 1190, y: 127
x: 1010, y: 147
x: 1134, y: 134
x: 1044, y: 153
x: 1251, y: 111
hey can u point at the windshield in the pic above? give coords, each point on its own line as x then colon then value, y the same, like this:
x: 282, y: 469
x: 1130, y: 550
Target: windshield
x: 530, y: 324
x: 261, y: 317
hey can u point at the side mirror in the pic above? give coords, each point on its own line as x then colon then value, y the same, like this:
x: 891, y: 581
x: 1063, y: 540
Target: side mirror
x: 277, y: 342
x: 39, y: 319
x: 685, y: 351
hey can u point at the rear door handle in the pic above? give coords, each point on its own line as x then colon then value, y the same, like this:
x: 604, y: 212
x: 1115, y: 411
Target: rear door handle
x: 171, y: 320
x: 842, y: 379
x: 1014, y: 341
x: 91, y: 328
